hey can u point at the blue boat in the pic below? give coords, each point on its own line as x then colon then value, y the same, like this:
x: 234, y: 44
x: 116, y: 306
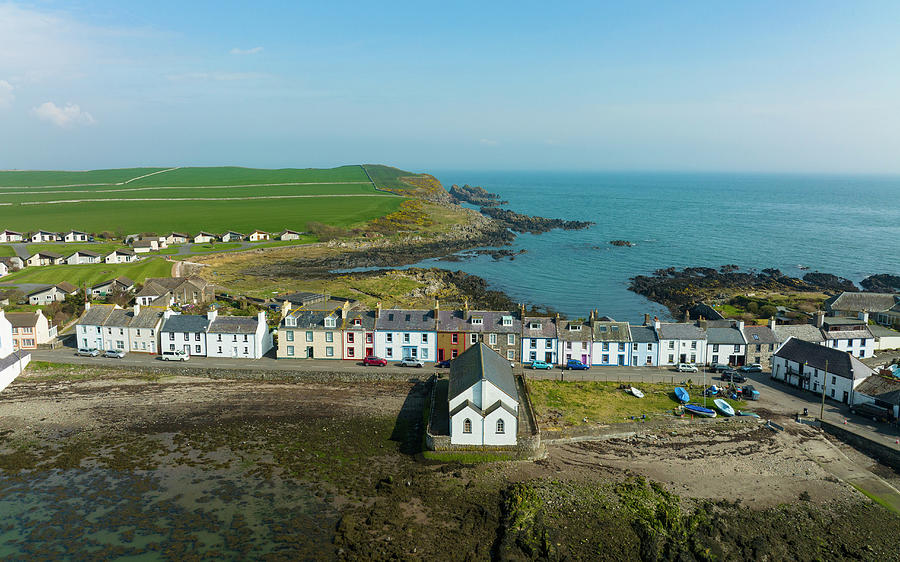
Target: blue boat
x: 699, y: 410
x: 749, y: 414
x: 724, y: 407
x: 682, y: 395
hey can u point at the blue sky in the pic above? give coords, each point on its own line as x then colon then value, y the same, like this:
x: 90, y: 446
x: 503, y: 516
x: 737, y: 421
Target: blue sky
x: 693, y: 86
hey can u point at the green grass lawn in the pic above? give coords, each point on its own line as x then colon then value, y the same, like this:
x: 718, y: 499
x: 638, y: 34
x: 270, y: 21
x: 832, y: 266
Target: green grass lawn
x: 230, y: 175
x: 215, y: 247
x: 604, y: 402
x: 387, y: 177
x: 6, y: 251
x: 91, y: 274
x: 68, y: 249
x: 45, y: 177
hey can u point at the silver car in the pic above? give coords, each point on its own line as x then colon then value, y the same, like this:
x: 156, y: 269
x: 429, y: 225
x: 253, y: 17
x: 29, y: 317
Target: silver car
x: 114, y: 353
x: 411, y: 362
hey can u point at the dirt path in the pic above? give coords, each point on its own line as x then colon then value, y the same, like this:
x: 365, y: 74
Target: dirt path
x: 148, y: 175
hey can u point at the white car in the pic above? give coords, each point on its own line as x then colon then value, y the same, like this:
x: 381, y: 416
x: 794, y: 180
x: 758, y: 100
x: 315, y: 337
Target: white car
x: 685, y: 368
x: 174, y: 356
x: 411, y: 362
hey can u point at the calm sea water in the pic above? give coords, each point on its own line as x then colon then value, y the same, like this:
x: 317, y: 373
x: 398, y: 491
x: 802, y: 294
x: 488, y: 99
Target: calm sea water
x: 846, y: 225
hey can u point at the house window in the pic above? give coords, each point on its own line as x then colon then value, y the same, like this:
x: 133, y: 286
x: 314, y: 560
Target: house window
x: 330, y: 322
x: 234, y: 337
x: 634, y: 346
x: 671, y: 358
x: 406, y: 337
x: 309, y: 336
x: 245, y: 351
x: 500, y: 426
x: 389, y: 337
x: 197, y: 336
x: 533, y: 343
x: 649, y: 361
x: 467, y: 426
x: 424, y: 353
x: 329, y: 351
x: 568, y: 345
x: 357, y: 322
x: 389, y: 352
x: 329, y: 336
x: 649, y: 347
x: 492, y: 339
x: 477, y: 321
x: 350, y: 352
x: 693, y: 357
x: 507, y: 320
x: 473, y: 338
x: 424, y: 338
x: 621, y: 347
x: 454, y: 339
x: 197, y: 349
x: 368, y: 338
x: 548, y: 344
x: 833, y: 381
x: 510, y: 354
x: 289, y: 335
x: 715, y: 348
x: 171, y: 335
x: 737, y: 349
x: 454, y: 353
x: 532, y: 356
x: 534, y: 326
x: 220, y: 349
x: 349, y: 337
x: 511, y: 339
x: 245, y: 337
x: 605, y: 358
x: 693, y: 345
x: 605, y: 346
x: 186, y: 336
x: 715, y: 358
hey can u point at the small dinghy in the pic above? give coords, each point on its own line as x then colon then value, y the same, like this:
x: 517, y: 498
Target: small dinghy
x: 724, y: 407
x: 699, y: 410
x: 748, y: 414
x: 682, y: 395
x: 636, y: 393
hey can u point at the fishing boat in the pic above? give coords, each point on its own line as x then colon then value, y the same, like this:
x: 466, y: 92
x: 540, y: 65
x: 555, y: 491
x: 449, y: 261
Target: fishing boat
x: 724, y: 407
x: 748, y: 414
x: 636, y: 393
x: 682, y: 395
x: 699, y: 410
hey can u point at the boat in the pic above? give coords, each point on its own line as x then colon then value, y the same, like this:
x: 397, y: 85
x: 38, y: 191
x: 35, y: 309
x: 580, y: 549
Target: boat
x: 724, y: 407
x: 698, y: 410
x: 682, y: 394
x: 748, y: 414
x: 636, y: 393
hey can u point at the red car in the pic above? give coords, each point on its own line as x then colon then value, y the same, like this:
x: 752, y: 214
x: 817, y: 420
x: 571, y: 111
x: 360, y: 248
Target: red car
x: 376, y: 361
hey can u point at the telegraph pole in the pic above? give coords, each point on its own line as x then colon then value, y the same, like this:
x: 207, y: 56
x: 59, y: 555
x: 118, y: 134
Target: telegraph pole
x: 824, y: 384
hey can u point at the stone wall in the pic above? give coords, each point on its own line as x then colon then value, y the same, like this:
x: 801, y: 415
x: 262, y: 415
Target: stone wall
x: 882, y: 453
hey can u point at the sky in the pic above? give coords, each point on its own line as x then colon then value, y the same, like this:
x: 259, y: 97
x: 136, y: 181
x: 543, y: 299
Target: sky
x: 764, y: 86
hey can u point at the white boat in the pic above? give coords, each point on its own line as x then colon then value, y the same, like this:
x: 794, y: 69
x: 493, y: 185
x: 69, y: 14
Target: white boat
x: 636, y: 393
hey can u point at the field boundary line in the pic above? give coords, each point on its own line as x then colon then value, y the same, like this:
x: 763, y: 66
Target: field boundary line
x: 148, y: 175
x: 150, y: 188
x: 108, y: 200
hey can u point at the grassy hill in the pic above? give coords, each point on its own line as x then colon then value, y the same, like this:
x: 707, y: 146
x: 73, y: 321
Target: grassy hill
x: 91, y: 274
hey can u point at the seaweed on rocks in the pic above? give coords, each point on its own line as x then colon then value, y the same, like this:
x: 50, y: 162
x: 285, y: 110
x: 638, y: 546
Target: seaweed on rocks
x: 829, y: 282
x: 476, y: 195
x: 518, y: 222
x: 881, y: 283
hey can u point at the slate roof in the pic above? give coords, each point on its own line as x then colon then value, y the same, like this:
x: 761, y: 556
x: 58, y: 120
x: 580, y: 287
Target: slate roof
x: 839, y: 362
x: 86, y: 253
x: 367, y: 320
x: 727, y: 336
x: 66, y: 287
x: 53, y: 255
x: 838, y: 321
x: 871, y: 302
x: 204, y: 233
x: 12, y: 359
x: 146, y: 318
x: 96, y: 315
x: 492, y: 321
x: 310, y: 319
x: 643, y: 334
x: 477, y: 363
x: 885, y: 389
x: 680, y: 331
x: 302, y: 298
x: 611, y: 332
x: 124, y: 251
x: 575, y: 330
x: 759, y: 334
x: 22, y: 319
x: 179, y: 235
x: 143, y: 244
x: 234, y: 325
x: 883, y: 332
x: 848, y: 334
x: 547, y: 329
x: 122, y: 280
x: 401, y: 320
x: 189, y: 323
x: 805, y: 332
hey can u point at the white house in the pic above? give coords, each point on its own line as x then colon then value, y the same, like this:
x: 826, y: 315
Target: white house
x: 4, y: 269
x: 680, y: 342
x: 539, y: 339
x: 176, y: 238
x: 401, y: 334
x: 809, y: 366
x: 232, y: 236
x: 12, y: 362
x: 90, y: 329
x: 611, y: 343
x: 76, y: 236
x: 885, y: 338
x: 848, y: 334
x: 575, y: 341
x: 258, y: 235
x: 84, y: 256
x: 644, y: 346
x: 184, y: 332
x: 289, y: 235
x: 145, y: 246
x: 54, y: 293
x: 104, y: 288
x: 725, y: 342
x: 204, y: 238
x: 11, y: 236
x: 122, y: 255
x: 45, y: 258
x: 12, y: 263
x: 244, y: 337
x: 881, y: 391
x: 483, y: 401
x: 44, y: 236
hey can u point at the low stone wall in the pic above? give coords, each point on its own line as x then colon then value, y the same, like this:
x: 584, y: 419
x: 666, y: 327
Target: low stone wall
x: 882, y: 453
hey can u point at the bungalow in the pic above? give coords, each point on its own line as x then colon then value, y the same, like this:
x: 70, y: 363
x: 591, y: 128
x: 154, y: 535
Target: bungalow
x: 45, y: 258
x: 402, y: 334
x: 539, y: 339
x: 611, y: 342
x: 232, y: 236
x: 83, y: 257
x: 177, y: 238
x: 848, y: 334
x: 44, y: 236
x: 11, y: 236
x: 881, y: 391
x: 575, y: 341
x: 11, y: 361
x: 289, y: 235
x: 761, y: 344
x: 204, y: 238
x: 30, y: 329
x: 144, y: 246
x: 245, y: 337
x: 184, y: 332
x: 4, y: 269
x: 12, y: 263
x: 725, y: 341
x: 310, y: 334
x: 54, y: 293
x: 76, y: 236
x: 358, y: 334
x: 258, y: 235
x: 122, y: 255
x: 483, y: 400
x: 811, y: 366
x: 119, y: 284
x: 680, y: 342
x: 644, y: 346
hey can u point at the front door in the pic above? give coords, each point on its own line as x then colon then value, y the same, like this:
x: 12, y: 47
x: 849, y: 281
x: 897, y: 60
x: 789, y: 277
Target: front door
x: 621, y: 360
x: 309, y: 353
x: 584, y: 358
x: 187, y: 349
x: 846, y: 397
x: 440, y: 355
x: 548, y: 357
x: 683, y: 358
x: 370, y: 351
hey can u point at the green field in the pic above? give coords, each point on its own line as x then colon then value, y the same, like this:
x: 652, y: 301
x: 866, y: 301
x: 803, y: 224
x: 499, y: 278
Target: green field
x: 6, y: 251
x: 190, y: 199
x: 91, y: 274
x: 68, y: 249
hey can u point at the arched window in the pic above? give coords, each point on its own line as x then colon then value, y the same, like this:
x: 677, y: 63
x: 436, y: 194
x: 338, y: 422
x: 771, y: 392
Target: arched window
x: 467, y: 426
x: 500, y: 426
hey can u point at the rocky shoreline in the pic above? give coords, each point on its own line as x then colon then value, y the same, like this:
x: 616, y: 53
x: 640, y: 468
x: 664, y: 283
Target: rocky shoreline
x: 489, y: 203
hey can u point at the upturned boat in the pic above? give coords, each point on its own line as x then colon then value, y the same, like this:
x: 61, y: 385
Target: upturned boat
x: 699, y: 410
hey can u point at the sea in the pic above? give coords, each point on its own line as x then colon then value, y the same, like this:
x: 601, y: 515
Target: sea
x: 841, y: 224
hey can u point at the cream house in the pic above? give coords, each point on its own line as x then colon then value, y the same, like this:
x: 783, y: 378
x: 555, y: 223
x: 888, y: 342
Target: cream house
x: 311, y: 334
x: 30, y: 329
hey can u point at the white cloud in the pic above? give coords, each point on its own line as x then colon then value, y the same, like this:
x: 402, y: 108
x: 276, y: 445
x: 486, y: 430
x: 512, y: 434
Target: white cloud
x: 6, y: 94
x: 66, y: 116
x: 489, y: 142
x: 253, y: 51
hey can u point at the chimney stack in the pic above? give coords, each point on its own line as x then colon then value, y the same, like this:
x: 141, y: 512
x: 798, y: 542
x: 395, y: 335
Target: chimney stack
x: 437, y: 311
x: 740, y: 325
x: 212, y: 314
x: 820, y: 318
x: 137, y: 310
x: 687, y: 316
x: 772, y: 323
x: 646, y: 319
x: 864, y: 316
x: 377, y: 310
x: 285, y: 308
x: 656, y: 323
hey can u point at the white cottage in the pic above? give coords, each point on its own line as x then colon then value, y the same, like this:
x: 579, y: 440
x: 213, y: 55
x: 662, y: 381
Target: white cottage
x: 121, y: 255
x: 81, y: 257
x: 244, y: 337
x: 483, y: 400
x: 401, y: 334
x: 810, y: 366
x: 76, y: 236
x: 12, y: 362
x: 539, y: 339
x: 184, y: 332
x: 680, y: 342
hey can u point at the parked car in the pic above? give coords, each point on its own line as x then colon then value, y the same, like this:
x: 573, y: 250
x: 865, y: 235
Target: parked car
x: 174, y: 356
x: 411, y: 362
x: 576, y: 365
x: 374, y: 361
x: 720, y: 367
x: 445, y: 364
x: 114, y: 353
x: 540, y: 365
x: 685, y: 368
x: 733, y: 376
x: 876, y: 413
x: 754, y: 368
x: 87, y: 352
x: 749, y: 393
